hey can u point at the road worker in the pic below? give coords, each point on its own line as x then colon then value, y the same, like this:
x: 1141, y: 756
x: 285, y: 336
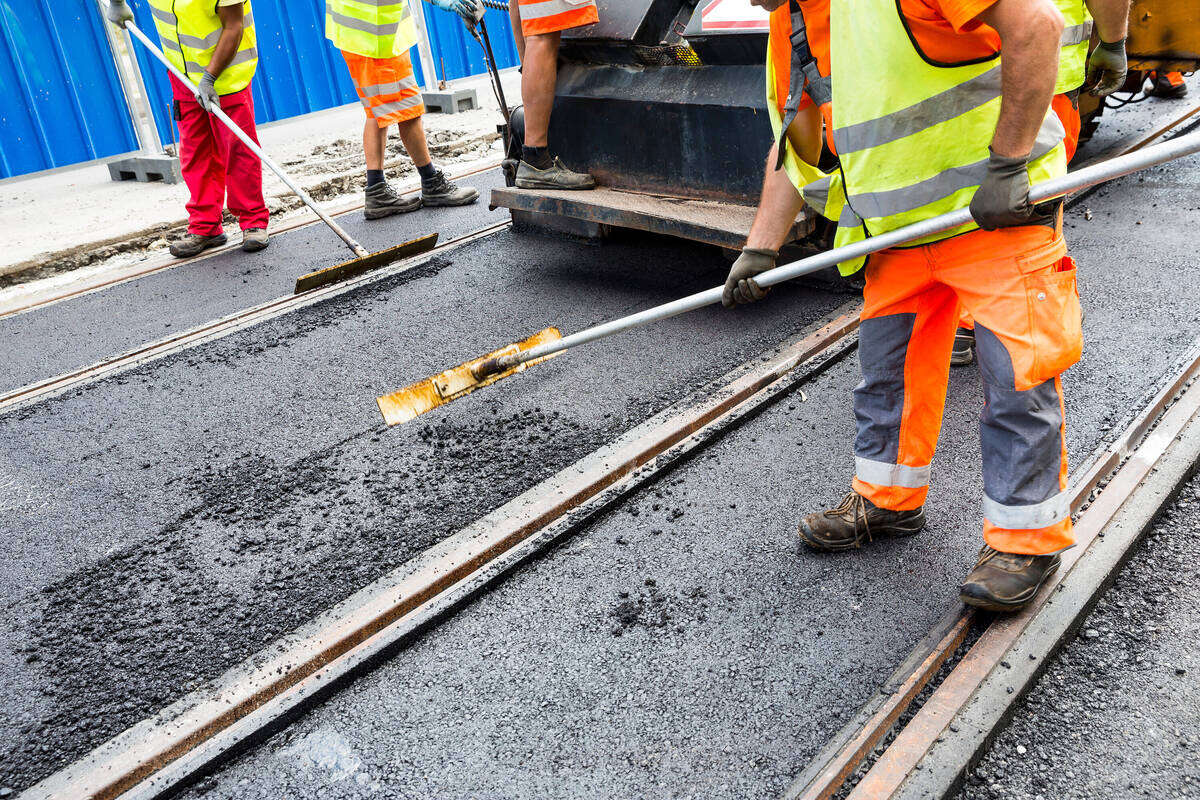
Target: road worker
x: 1100, y: 74
x: 212, y: 43
x: 375, y: 38
x: 537, y: 27
x: 924, y: 121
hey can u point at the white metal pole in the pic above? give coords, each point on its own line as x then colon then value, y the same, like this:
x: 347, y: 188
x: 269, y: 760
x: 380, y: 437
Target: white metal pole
x: 137, y: 99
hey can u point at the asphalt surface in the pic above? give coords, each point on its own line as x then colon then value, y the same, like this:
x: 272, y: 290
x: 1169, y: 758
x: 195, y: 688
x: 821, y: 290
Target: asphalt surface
x: 81, y: 331
x: 1116, y: 713
x: 681, y: 646
x: 164, y: 524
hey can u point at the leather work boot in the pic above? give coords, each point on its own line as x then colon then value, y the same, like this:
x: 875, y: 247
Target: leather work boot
x: 383, y: 201
x: 1006, y: 581
x: 1167, y: 85
x: 555, y: 176
x: 194, y: 244
x: 439, y: 191
x: 254, y: 239
x: 964, y: 348
x: 856, y: 520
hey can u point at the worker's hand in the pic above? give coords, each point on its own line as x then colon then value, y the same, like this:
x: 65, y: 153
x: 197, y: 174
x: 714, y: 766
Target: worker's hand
x: 470, y: 10
x: 208, y: 97
x: 740, y: 286
x: 1106, y: 69
x: 1002, y: 201
x: 118, y: 13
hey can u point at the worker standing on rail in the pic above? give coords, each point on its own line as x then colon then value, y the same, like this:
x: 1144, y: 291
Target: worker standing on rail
x: 374, y: 38
x: 1100, y: 74
x: 213, y: 43
x: 925, y: 121
x: 537, y: 27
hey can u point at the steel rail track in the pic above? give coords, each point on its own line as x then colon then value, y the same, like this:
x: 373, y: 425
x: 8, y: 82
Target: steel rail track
x: 162, y: 752
x: 133, y: 272
x: 223, y: 326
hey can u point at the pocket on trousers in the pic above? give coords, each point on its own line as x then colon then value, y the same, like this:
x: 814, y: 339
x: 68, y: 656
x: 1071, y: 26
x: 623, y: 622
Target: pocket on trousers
x: 1056, y: 321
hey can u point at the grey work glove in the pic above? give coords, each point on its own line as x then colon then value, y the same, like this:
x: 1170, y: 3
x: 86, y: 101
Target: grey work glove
x: 740, y: 286
x: 1106, y: 69
x: 118, y: 13
x: 470, y: 10
x: 208, y: 97
x: 1002, y: 201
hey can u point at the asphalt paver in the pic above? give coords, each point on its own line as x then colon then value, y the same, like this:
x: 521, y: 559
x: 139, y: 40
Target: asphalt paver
x: 165, y: 523
x: 1117, y: 713
x: 683, y: 645
x: 81, y: 331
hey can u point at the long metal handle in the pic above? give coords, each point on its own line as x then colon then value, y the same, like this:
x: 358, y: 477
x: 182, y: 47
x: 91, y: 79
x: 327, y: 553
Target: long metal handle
x: 1057, y: 187
x: 357, y: 248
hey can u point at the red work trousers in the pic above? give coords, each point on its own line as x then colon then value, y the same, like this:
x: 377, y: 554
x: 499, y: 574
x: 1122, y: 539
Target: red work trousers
x: 217, y: 168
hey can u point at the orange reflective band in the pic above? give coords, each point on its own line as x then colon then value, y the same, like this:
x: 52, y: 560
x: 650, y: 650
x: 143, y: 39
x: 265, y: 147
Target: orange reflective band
x: 893, y: 498
x: 1039, y: 542
x: 551, y: 16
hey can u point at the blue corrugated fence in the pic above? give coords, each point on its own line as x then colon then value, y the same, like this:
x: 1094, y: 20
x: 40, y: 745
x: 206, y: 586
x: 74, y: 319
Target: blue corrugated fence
x: 299, y: 72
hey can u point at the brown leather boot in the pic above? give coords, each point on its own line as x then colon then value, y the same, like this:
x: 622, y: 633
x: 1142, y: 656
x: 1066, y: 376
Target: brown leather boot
x: 1006, y: 581
x: 856, y: 520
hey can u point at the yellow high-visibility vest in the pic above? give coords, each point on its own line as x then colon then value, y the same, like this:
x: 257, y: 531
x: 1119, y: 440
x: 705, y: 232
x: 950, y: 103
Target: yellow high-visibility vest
x: 189, y: 31
x: 374, y: 28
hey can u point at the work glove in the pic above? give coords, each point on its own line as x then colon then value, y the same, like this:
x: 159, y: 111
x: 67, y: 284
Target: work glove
x: 208, y: 97
x: 1106, y: 69
x: 1002, y: 201
x: 740, y: 286
x: 470, y: 10
x: 118, y: 13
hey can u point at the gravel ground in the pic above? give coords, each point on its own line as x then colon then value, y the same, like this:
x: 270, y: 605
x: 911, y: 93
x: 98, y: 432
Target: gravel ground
x: 1117, y: 713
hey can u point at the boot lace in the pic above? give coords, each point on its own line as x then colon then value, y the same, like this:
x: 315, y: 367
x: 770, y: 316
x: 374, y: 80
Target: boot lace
x: 853, y: 506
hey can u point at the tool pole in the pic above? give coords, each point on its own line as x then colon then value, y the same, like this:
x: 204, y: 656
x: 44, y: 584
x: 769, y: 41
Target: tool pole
x: 1057, y: 187
x: 494, y: 70
x: 354, y: 246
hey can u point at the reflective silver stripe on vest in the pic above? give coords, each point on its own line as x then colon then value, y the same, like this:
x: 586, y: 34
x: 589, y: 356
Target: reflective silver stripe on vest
x: 1077, y: 34
x: 942, y: 107
x: 874, y: 205
x: 164, y: 16
x: 400, y: 105
x: 848, y: 219
x: 201, y: 43
x: 389, y: 29
x: 548, y: 8
x: 171, y: 44
x: 1024, y: 518
x: 241, y: 57
x: 883, y: 474
x: 382, y: 3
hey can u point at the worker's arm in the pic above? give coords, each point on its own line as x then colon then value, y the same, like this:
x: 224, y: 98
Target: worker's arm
x: 1031, y: 37
x: 232, y: 26
x: 1107, y: 64
x: 778, y: 206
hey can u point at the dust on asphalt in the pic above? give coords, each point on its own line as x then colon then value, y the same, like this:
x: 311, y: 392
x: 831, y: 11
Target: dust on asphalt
x: 1117, y: 713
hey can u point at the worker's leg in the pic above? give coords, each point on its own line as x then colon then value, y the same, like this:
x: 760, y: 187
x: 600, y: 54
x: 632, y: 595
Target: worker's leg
x: 905, y: 337
x: 374, y: 146
x: 1019, y: 285
x: 243, y: 171
x: 542, y: 22
x: 203, y: 172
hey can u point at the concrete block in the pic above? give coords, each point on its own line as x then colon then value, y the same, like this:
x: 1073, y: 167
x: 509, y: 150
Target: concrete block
x: 450, y: 102
x: 146, y: 168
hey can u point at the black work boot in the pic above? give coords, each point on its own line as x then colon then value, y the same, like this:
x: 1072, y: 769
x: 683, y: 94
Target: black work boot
x: 1006, y: 581
x: 440, y: 191
x: 964, y: 348
x: 555, y: 176
x: 194, y: 244
x: 1167, y: 85
x: 383, y: 201
x: 856, y: 520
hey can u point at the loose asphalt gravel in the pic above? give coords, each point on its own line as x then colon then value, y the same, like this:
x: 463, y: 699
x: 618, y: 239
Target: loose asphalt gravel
x: 680, y: 646
x: 163, y: 524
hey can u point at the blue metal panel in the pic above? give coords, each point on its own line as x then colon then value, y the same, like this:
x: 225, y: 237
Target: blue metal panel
x: 456, y: 54
x: 62, y: 97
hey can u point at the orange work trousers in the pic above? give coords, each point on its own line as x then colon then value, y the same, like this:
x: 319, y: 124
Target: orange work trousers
x: 551, y: 16
x: 1019, y: 285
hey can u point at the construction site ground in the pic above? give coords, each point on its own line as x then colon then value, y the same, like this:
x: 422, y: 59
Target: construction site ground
x: 166, y: 522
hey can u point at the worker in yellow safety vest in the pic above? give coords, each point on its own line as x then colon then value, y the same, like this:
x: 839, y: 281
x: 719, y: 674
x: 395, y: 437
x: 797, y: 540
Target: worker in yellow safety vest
x: 924, y: 121
x: 213, y: 43
x: 374, y: 37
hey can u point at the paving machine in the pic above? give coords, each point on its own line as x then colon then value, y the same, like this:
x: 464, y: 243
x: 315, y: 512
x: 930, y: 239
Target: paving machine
x: 663, y: 102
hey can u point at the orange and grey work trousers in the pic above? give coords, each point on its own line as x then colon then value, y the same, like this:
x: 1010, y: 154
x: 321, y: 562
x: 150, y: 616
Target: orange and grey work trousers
x: 1019, y: 284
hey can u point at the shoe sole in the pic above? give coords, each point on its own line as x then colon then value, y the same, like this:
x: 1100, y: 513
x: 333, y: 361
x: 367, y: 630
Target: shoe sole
x: 1009, y: 606
x: 254, y: 247
x: 208, y: 246
x: 527, y: 183
x: 440, y: 203
x: 391, y: 211
x: 957, y: 360
x: 809, y: 538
